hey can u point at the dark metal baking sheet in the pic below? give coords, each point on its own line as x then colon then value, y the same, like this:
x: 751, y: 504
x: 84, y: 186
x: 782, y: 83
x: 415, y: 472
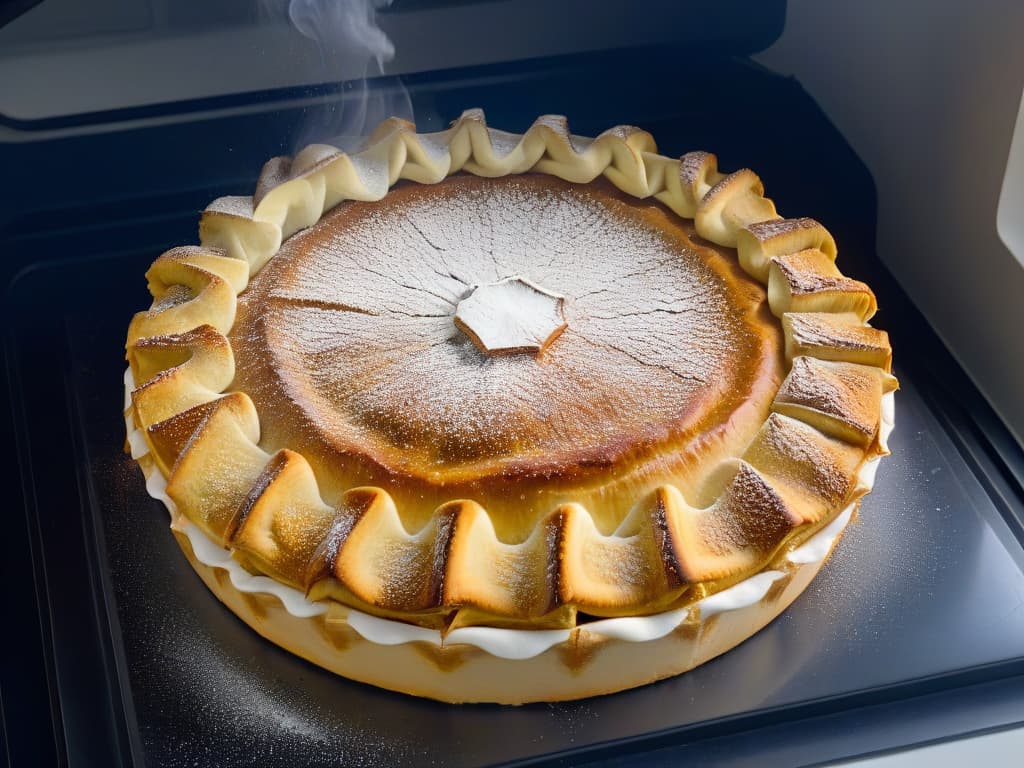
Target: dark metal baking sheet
x: 927, y: 584
x: 923, y: 597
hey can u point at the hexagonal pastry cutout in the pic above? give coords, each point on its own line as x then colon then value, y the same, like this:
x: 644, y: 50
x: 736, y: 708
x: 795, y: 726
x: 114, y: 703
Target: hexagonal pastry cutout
x: 511, y: 316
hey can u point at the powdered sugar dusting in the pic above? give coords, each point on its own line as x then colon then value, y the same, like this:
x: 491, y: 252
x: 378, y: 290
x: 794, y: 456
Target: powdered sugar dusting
x: 234, y: 205
x: 827, y: 329
x: 358, y: 320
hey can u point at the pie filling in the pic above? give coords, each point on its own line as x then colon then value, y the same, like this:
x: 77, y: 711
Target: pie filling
x: 522, y: 339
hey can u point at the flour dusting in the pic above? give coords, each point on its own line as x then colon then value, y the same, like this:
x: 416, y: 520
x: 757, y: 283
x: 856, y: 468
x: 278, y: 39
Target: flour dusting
x: 357, y: 315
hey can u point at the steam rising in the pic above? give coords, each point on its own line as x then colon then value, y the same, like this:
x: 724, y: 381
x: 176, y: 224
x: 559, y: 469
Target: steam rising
x: 353, y: 50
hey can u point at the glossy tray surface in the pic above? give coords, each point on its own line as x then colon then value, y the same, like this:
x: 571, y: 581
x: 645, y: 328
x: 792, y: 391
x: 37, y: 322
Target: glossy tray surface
x: 925, y: 584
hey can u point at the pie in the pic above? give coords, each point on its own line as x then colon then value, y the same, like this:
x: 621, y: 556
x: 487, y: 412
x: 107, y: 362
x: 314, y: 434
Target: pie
x: 491, y: 417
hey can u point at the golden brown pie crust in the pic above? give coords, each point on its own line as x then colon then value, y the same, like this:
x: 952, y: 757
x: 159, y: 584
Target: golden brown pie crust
x: 335, y: 430
x: 670, y: 360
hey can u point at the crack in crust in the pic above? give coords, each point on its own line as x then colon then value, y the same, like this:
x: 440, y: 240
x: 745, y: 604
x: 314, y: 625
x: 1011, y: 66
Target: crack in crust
x: 454, y: 570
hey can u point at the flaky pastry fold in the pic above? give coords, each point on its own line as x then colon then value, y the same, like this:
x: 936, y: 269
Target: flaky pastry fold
x: 264, y: 502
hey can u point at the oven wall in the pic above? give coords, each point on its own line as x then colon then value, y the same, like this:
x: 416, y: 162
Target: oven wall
x: 67, y: 57
x: 928, y: 92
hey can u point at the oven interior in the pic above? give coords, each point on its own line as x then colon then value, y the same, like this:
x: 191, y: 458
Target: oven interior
x: 120, y: 657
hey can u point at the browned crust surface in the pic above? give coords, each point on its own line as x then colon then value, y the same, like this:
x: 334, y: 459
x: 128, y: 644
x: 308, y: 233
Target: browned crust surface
x: 608, y: 527
x: 352, y: 359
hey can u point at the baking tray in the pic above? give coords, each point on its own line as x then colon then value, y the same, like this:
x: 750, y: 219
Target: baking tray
x: 926, y: 586
x: 923, y: 601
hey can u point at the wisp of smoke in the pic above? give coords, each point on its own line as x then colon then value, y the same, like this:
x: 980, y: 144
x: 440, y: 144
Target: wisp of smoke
x: 353, y: 50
